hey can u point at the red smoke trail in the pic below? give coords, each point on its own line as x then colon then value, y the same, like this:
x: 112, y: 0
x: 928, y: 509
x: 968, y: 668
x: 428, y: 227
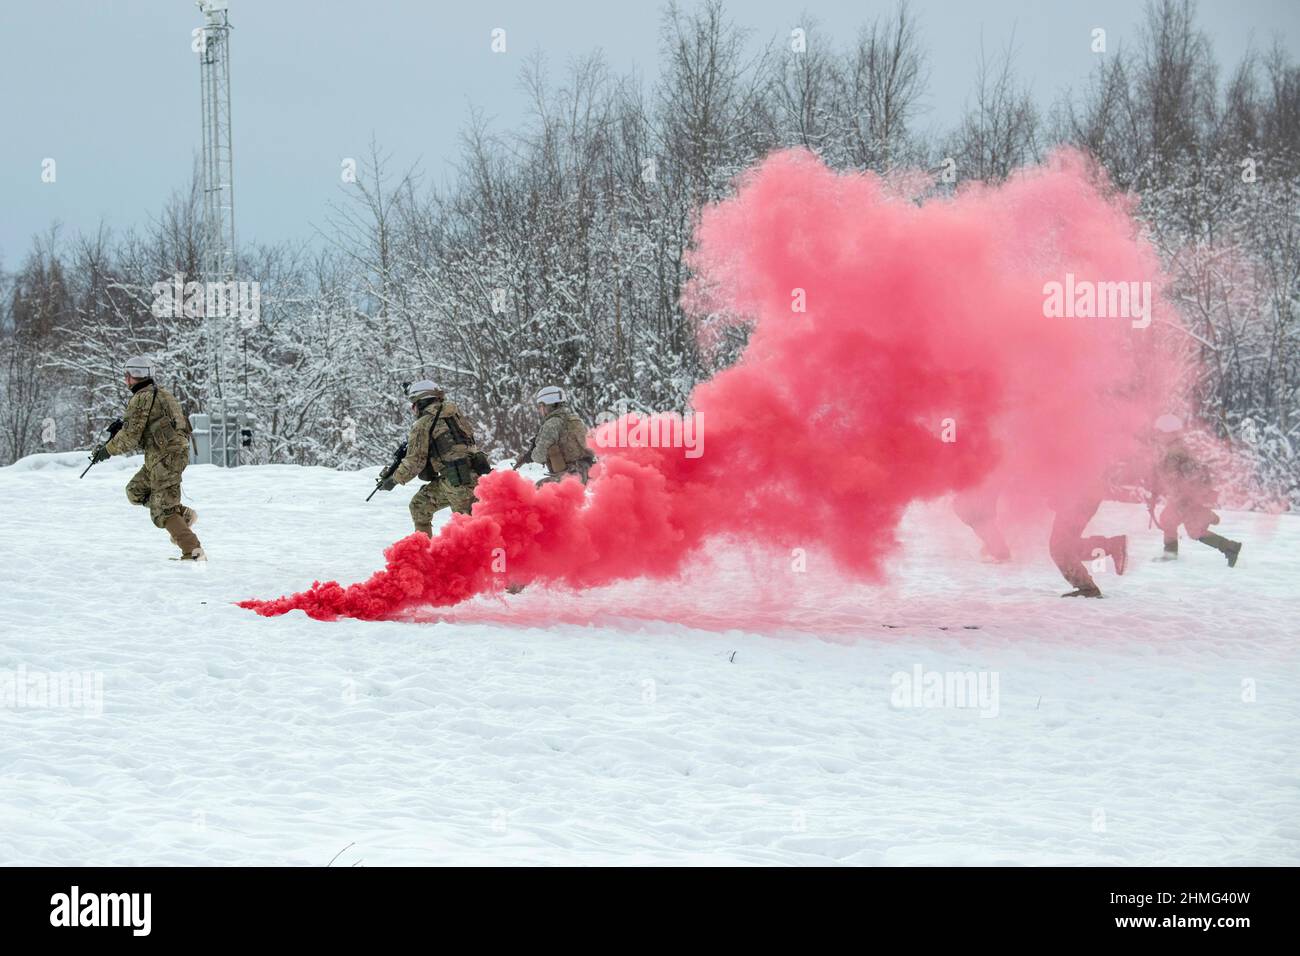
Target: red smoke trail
x: 921, y: 323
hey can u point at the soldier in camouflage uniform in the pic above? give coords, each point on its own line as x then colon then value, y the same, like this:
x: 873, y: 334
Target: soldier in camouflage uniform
x: 1188, y: 489
x: 155, y: 423
x: 561, y: 442
x: 441, y: 451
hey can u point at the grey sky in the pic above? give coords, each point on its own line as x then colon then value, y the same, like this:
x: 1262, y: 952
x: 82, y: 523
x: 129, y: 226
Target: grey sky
x: 109, y: 88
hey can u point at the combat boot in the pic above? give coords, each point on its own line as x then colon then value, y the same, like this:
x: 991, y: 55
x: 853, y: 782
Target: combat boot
x: 181, y: 535
x: 1229, y: 548
x: 1170, y: 552
x: 191, y: 516
x: 1088, y: 590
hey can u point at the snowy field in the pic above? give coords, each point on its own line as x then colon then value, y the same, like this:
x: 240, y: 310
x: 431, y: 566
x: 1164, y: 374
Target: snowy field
x: 1158, y: 726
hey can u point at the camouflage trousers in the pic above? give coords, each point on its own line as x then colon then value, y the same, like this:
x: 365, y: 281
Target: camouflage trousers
x: 158, y: 483
x: 437, y: 495
x: 1069, y: 548
x: 579, y: 470
x: 1193, y: 515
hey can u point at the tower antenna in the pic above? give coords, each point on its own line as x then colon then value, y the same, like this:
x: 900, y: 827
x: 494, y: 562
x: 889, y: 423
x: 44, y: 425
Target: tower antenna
x: 218, y: 259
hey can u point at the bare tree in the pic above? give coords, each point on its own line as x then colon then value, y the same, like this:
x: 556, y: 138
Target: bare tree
x: 1000, y: 130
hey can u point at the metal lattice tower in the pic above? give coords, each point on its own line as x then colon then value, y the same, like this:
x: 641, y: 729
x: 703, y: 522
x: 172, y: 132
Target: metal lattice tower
x: 218, y: 263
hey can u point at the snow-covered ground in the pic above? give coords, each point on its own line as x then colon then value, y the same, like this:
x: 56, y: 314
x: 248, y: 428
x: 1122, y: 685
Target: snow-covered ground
x: 761, y: 726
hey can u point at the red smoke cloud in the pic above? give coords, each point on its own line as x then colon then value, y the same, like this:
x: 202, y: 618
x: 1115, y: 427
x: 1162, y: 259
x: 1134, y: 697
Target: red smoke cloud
x: 922, y: 363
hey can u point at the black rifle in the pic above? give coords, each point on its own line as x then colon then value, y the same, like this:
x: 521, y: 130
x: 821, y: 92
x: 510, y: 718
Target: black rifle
x: 113, y: 428
x: 1151, y: 499
x: 526, y: 456
x: 389, y: 469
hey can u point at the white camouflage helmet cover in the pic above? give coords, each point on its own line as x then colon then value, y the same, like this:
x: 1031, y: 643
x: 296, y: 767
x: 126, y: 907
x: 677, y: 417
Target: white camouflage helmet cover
x: 138, y: 366
x: 422, y: 389
x: 549, y: 395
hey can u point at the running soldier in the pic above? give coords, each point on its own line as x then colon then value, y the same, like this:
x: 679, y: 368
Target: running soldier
x: 155, y: 424
x: 1188, y: 489
x: 441, y: 451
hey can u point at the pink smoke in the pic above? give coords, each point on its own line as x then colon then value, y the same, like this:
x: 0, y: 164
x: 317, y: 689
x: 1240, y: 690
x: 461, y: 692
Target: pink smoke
x: 922, y: 363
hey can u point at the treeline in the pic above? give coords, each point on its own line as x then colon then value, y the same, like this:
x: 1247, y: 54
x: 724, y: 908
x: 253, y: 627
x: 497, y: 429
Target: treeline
x: 559, y: 252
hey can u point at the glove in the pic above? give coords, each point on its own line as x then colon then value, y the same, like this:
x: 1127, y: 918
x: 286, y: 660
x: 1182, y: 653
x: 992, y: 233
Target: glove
x: 387, y: 484
x: 99, y: 454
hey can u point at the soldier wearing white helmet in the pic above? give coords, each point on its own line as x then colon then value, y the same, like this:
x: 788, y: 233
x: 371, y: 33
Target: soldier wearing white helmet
x: 155, y: 424
x: 440, y: 450
x: 561, y: 441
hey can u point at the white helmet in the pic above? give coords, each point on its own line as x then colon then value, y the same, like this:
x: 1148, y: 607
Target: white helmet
x: 139, y: 367
x: 549, y: 395
x: 1168, y: 424
x: 419, y: 391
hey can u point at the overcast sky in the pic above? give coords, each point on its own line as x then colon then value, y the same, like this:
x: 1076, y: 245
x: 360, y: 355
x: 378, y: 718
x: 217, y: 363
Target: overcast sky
x: 110, y: 88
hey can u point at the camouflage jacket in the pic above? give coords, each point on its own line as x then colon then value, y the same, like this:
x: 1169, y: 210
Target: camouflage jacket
x: 153, y: 422
x: 1178, y: 474
x: 561, y: 442
x: 431, y: 445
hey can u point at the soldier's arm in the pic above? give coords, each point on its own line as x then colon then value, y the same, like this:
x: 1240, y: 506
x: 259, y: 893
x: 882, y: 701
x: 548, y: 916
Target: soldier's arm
x: 547, y: 436
x: 129, y: 435
x: 417, y: 452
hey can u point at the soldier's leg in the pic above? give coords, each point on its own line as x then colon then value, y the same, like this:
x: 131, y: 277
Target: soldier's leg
x: 1197, y: 519
x: 165, y: 499
x: 423, y: 504
x: 175, y: 466
x: 1066, y: 546
x: 1226, y: 546
x: 459, y: 494
x: 190, y: 516
x: 164, y: 487
x: 978, y: 510
x: 460, y: 498
x: 137, y: 489
x: 1170, y: 518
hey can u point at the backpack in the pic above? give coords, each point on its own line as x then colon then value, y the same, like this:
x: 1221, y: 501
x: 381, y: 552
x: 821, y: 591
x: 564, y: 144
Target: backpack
x: 570, y: 449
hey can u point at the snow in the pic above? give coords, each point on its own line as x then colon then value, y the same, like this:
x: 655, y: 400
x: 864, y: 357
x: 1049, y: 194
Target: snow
x: 740, y: 715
